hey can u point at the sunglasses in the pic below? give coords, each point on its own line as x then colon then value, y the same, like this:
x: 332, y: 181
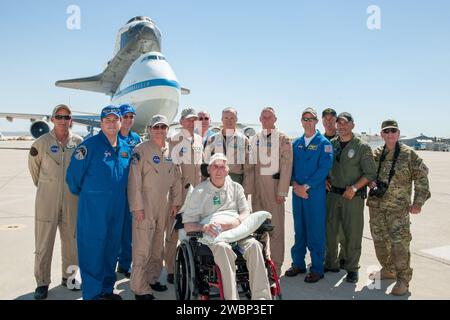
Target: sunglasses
x: 204, y: 118
x: 61, y: 117
x: 160, y: 126
x: 390, y: 130
x: 131, y: 116
x: 309, y: 119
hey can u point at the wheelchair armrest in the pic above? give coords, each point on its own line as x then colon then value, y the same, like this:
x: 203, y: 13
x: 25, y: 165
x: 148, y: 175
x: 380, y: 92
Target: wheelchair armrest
x: 265, y: 227
x: 195, y: 234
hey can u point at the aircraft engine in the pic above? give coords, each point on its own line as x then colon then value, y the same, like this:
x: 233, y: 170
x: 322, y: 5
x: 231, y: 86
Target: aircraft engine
x: 249, y: 132
x: 38, y: 128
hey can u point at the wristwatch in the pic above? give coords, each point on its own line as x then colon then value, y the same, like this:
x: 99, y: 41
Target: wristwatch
x: 355, y: 189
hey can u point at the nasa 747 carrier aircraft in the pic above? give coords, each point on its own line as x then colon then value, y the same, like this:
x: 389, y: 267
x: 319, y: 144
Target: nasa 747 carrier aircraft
x: 138, y: 74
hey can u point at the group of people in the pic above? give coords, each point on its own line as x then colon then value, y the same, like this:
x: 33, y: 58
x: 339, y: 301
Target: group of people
x: 114, y: 198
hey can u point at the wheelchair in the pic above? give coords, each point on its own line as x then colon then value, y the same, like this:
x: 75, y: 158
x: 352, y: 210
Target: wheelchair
x: 197, y: 277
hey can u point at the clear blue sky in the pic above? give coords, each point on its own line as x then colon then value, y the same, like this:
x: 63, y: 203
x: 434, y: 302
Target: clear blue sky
x: 247, y: 54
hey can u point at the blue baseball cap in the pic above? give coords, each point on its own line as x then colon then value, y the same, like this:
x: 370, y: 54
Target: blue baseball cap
x: 126, y: 108
x: 106, y: 111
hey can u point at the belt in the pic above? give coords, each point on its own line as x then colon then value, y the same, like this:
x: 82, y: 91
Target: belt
x: 360, y: 193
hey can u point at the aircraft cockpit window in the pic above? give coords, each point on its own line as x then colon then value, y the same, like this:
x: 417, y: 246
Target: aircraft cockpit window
x: 162, y: 58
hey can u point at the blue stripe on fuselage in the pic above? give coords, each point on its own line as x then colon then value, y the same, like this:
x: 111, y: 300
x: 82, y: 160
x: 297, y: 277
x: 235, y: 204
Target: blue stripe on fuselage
x: 147, y: 84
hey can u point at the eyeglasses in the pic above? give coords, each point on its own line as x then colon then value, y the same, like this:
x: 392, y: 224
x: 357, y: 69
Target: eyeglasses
x: 160, y: 126
x: 60, y: 117
x: 203, y: 118
x: 390, y: 130
x: 309, y: 119
x: 130, y: 116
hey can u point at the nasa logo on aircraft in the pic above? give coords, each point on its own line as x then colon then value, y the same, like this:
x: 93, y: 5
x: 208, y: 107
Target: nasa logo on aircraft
x: 156, y: 159
x: 80, y: 153
x: 54, y: 148
x: 351, y: 153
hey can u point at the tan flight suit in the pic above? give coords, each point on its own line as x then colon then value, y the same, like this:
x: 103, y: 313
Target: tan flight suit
x: 236, y: 148
x: 207, y: 199
x: 272, y: 177
x: 152, y: 176
x: 187, y: 152
x: 56, y: 207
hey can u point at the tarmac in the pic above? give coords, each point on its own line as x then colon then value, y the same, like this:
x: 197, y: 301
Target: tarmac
x: 430, y: 247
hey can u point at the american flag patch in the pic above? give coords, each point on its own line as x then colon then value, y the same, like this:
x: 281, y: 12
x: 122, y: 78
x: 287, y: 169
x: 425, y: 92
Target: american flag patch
x: 328, y: 148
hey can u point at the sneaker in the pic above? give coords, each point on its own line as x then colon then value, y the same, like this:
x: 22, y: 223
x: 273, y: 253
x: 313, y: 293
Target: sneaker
x: 123, y: 271
x: 144, y: 297
x: 352, y: 276
x: 110, y: 296
x: 293, y: 271
x: 382, y: 275
x: 400, y: 288
x: 158, y: 287
x: 41, y: 293
x: 64, y: 284
x: 170, y: 278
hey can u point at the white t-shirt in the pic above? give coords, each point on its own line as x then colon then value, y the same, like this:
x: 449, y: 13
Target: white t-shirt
x: 308, y: 140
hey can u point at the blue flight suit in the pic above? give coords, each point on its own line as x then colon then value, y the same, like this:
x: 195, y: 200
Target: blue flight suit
x: 125, y: 252
x: 98, y: 173
x: 311, y: 166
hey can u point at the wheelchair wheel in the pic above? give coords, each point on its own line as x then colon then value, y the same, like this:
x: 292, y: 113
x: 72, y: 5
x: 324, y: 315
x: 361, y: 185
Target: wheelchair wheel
x: 274, y: 281
x: 184, y: 273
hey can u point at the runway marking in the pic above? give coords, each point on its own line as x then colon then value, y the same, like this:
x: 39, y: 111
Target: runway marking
x: 12, y: 227
x: 439, y: 252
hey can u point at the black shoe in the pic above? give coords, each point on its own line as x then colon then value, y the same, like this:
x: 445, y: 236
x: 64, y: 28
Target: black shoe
x: 335, y: 270
x: 41, y: 293
x: 170, y: 278
x: 123, y: 271
x: 352, y: 276
x: 64, y: 284
x: 342, y: 263
x: 144, y: 297
x: 158, y: 287
x: 110, y: 296
x: 293, y: 271
x: 313, y: 277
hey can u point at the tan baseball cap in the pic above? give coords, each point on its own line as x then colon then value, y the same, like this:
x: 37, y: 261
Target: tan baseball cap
x: 217, y: 156
x: 59, y: 107
x: 158, y: 119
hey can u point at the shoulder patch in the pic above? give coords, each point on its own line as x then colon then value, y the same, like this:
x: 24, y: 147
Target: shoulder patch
x: 328, y: 148
x: 33, y: 152
x: 80, y: 153
x: 124, y: 154
x: 135, y: 158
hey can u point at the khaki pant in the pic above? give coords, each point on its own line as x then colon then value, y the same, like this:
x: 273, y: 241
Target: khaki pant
x: 45, y: 233
x: 225, y: 258
x: 148, y: 246
x: 170, y: 244
x: 391, y: 235
x: 264, y: 199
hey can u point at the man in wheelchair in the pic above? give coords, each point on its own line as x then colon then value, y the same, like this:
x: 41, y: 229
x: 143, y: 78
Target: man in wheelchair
x: 220, y: 194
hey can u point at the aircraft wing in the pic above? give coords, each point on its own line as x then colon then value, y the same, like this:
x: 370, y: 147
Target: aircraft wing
x: 86, y: 120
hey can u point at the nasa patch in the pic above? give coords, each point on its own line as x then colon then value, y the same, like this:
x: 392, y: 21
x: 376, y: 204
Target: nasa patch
x: 80, y: 153
x: 54, y: 148
x: 156, y: 159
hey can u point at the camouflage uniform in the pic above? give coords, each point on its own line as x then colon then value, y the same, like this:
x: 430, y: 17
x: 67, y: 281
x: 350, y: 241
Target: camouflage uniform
x: 389, y: 215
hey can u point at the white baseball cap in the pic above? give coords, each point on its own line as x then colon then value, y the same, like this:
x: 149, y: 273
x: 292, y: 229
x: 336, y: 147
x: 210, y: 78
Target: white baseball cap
x: 217, y: 156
